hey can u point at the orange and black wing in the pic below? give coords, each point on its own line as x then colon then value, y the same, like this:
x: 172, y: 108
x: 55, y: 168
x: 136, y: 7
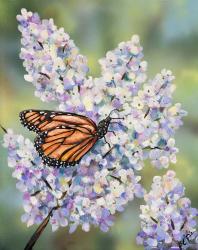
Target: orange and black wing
x: 63, y: 138
x: 43, y: 120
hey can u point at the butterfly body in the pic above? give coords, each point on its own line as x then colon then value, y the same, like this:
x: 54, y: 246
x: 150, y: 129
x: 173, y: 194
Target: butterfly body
x: 102, y: 127
x: 63, y: 138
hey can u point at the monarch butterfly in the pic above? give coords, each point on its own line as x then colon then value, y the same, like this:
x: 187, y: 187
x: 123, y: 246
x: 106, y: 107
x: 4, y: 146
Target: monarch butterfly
x: 64, y: 138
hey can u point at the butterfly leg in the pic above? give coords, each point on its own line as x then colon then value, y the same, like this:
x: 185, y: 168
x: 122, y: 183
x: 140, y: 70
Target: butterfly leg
x: 108, y: 152
x: 116, y: 123
x: 107, y: 142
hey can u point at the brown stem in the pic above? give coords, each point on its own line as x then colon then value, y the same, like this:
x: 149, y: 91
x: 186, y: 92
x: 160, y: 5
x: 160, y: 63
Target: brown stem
x: 163, y: 85
x: 61, y: 78
x: 183, y: 224
x: 127, y: 66
x: 4, y: 130
x: 123, y: 76
x: 135, y: 152
x: 153, y: 219
x: 147, y: 112
x: 68, y: 65
x: 111, y: 169
x: 35, y: 193
x: 172, y: 224
x: 33, y: 163
x: 40, y: 44
x: 39, y: 230
x: 167, y: 201
x: 153, y: 148
x: 64, y: 47
x: 179, y: 245
x: 116, y: 178
x: 47, y: 183
x: 43, y: 225
x: 113, y: 97
x: 42, y: 178
x: 43, y: 74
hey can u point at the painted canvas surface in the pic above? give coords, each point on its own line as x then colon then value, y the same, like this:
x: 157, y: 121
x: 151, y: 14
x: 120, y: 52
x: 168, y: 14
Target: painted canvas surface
x: 108, y: 91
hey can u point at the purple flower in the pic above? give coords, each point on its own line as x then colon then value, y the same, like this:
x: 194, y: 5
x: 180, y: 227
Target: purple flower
x: 167, y: 216
x: 100, y: 186
x: 93, y: 193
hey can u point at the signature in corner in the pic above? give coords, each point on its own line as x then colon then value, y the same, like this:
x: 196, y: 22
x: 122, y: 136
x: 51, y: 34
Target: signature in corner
x: 189, y: 238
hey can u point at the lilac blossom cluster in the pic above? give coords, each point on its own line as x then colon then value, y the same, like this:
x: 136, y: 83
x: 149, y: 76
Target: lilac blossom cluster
x: 167, y: 218
x: 150, y: 118
x: 50, y: 57
x: 105, y: 180
x: 91, y: 196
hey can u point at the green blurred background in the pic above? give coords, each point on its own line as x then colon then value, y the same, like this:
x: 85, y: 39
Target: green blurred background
x: 169, y: 34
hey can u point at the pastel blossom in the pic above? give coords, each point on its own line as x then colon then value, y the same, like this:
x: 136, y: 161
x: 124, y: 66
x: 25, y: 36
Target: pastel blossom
x: 81, y: 199
x: 167, y: 217
x: 107, y: 177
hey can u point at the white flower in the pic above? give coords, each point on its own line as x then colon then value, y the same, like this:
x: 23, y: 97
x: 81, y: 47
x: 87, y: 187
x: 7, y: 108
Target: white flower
x: 88, y: 100
x: 59, y: 64
x: 116, y: 188
x: 26, y: 14
x: 120, y: 138
x: 104, y: 180
x: 143, y: 65
x: 128, y: 122
x: 135, y: 39
x: 137, y: 103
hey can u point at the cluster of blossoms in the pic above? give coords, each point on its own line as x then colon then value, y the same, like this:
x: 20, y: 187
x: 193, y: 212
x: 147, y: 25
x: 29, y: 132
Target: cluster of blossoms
x: 167, y: 218
x: 50, y: 58
x: 102, y: 183
x: 90, y: 196
x: 150, y: 119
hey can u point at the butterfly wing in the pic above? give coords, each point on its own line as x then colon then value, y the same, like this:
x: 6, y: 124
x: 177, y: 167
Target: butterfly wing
x: 63, y: 138
x: 42, y: 120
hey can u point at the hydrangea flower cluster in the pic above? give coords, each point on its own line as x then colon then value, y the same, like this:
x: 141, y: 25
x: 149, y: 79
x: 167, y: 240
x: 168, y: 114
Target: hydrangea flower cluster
x: 106, y: 178
x: 167, y: 218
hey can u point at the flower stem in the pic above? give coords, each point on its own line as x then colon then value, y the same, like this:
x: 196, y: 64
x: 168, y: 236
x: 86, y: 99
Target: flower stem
x: 35, y: 193
x: 4, y: 130
x: 183, y: 224
x: 45, y: 222
x: 116, y: 178
x: 46, y: 183
x: 43, y: 74
x: 153, y: 148
x: 127, y: 64
x: 147, y: 112
x: 172, y: 224
x: 153, y: 219
x: 40, y: 44
x: 39, y: 230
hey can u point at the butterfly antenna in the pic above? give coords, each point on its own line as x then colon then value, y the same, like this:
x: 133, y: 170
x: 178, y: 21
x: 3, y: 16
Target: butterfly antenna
x: 121, y: 118
x: 4, y: 130
x: 117, y: 118
x: 113, y: 111
x: 107, y: 142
